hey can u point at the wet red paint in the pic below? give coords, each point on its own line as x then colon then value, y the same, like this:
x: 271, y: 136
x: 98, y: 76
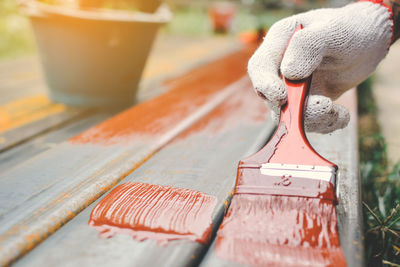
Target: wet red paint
x: 186, y: 94
x: 265, y: 230
x: 276, y: 222
x: 162, y: 213
x: 242, y: 106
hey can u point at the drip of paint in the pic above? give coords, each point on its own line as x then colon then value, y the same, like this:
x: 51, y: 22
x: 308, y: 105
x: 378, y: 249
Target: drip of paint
x: 162, y: 213
x: 303, y: 232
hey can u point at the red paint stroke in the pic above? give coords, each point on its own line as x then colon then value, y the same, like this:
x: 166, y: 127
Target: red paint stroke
x: 265, y: 230
x: 162, y: 213
x: 158, y: 115
x: 243, y: 107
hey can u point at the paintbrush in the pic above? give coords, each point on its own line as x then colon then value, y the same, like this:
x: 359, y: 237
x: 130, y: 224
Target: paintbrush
x: 283, y: 212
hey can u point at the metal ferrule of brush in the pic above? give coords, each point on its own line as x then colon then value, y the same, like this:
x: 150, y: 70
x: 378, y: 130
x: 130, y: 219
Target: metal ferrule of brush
x: 287, y: 180
x: 325, y: 173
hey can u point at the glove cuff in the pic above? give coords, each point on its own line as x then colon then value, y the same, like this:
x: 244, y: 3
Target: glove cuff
x: 389, y: 8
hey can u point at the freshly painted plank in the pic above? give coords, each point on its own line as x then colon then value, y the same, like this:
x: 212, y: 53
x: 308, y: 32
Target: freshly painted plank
x: 39, y: 196
x: 341, y: 147
x: 24, y: 70
x: 203, y: 158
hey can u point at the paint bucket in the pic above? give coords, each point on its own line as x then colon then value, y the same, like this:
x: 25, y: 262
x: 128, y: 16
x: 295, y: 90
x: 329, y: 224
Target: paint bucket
x: 93, y: 58
x: 222, y: 15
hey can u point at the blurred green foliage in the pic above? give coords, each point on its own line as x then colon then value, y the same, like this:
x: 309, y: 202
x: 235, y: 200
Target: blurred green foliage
x: 16, y: 37
x: 195, y: 20
x: 381, y: 186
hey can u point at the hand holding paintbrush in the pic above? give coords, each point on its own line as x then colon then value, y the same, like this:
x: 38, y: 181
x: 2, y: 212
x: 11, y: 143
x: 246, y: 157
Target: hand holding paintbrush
x: 283, y: 211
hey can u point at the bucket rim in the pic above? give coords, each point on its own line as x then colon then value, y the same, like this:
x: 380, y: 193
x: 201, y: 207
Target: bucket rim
x: 34, y: 8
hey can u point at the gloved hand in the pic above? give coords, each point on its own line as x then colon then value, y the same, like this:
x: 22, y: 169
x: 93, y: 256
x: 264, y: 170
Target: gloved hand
x: 340, y: 46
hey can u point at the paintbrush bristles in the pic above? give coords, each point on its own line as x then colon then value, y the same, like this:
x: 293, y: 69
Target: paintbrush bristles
x: 280, y: 230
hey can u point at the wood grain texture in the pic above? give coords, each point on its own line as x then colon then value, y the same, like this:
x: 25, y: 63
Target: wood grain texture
x: 32, y: 147
x: 340, y: 147
x: 40, y: 195
x: 27, y: 110
x: 38, y: 126
x: 203, y: 158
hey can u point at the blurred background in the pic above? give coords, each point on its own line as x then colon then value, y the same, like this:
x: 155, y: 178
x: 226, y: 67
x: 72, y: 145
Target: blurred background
x: 190, y: 18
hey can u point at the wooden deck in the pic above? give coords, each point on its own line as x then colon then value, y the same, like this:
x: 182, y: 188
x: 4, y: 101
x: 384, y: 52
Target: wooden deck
x: 57, y: 162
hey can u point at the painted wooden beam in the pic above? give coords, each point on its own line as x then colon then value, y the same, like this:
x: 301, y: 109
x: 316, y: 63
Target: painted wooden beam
x: 203, y: 158
x: 39, y: 196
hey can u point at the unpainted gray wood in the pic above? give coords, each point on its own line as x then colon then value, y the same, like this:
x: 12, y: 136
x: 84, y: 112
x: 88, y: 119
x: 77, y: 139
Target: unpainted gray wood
x: 23, y: 152
x: 205, y: 161
x: 340, y: 147
x: 19, y: 135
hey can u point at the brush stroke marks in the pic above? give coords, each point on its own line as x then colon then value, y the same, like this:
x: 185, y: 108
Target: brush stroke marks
x: 162, y: 213
x: 303, y: 232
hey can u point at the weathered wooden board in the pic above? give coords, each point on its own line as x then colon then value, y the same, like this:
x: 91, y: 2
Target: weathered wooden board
x: 39, y: 196
x: 341, y: 147
x: 37, y: 126
x: 203, y: 158
x: 23, y: 152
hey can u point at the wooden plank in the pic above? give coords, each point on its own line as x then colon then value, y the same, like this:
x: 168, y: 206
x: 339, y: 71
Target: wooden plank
x: 203, y: 158
x: 27, y: 110
x: 38, y: 197
x: 23, y: 152
x: 19, y: 124
x: 22, y: 72
x: 341, y: 147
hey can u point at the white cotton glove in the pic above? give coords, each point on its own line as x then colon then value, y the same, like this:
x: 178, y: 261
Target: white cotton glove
x: 340, y: 46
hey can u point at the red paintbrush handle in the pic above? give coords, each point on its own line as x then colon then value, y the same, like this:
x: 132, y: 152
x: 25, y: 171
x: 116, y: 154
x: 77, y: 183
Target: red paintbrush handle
x: 294, y: 147
x: 289, y: 145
